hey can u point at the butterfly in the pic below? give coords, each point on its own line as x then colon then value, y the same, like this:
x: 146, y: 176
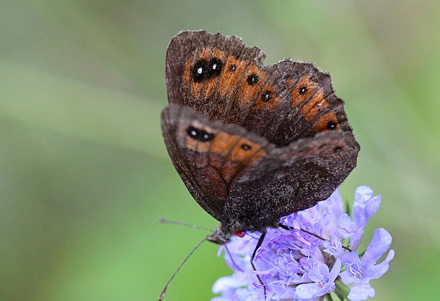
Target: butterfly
x: 252, y: 143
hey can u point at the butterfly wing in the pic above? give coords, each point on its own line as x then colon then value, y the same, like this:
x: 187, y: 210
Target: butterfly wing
x: 290, y: 179
x: 209, y: 155
x: 225, y: 80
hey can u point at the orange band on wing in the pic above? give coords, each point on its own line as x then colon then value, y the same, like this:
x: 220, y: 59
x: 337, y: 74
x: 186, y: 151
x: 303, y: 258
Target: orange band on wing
x: 232, y: 72
x: 314, y: 106
x: 327, y: 122
x: 303, y: 90
x: 251, y: 84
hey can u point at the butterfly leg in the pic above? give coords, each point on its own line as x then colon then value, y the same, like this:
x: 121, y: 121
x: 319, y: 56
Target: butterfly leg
x: 260, y: 241
x: 310, y: 233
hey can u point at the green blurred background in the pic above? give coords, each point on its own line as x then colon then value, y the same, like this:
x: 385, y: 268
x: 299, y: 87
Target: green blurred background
x: 84, y: 174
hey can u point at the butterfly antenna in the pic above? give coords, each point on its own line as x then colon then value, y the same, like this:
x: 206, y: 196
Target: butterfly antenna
x: 162, y: 295
x: 165, y: 221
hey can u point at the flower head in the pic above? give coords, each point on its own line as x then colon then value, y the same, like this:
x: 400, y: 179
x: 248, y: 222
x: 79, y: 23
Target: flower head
x: 306, y: 262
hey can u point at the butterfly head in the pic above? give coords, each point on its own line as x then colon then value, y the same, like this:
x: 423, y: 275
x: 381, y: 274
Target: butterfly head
x: 220, y: 235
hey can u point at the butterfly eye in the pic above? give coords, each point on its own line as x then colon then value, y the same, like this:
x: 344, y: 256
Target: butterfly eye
x: 252, y: 79
x: 199, y: 70
x: 303, y: 90
x: 215, y: 67
x: 331, y: 125
x: 266, y: 96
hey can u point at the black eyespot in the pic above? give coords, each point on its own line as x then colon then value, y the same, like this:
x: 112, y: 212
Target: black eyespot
x: 199, y: 71
x: 337, y: 149
x: 198, y: 134
x: 303, y: 90
x: 215, y: 67
x: 193, y: 132
x: 246, y: 147
x: 266, y: 96
x: 252, y: 79
x: 232, y: 68
x: 206, y: 136
x: 331, y: 125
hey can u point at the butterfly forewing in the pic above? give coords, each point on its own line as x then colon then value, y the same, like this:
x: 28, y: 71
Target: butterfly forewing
x: 225, y: 80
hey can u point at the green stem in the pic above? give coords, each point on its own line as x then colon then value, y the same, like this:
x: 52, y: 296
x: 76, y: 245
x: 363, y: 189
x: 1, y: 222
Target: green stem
x: 341, y: 290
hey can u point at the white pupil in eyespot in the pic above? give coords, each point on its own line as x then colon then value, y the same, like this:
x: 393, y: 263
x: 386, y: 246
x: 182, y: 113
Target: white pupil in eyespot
x: 214, y: 66
x: 200, y: 70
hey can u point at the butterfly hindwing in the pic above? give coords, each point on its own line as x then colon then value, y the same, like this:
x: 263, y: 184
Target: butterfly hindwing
x: 290, y: 179
x: 209, y: 156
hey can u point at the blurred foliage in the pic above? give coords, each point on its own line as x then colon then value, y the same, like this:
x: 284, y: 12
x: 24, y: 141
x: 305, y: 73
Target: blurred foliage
x: 84, y: 174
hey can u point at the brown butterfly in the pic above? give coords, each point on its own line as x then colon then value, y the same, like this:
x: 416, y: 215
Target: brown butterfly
x: 252, y: 143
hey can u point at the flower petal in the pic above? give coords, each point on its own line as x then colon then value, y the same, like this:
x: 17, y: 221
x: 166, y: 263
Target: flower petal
x: 336, y: 269
x: 361, y: 290
x: 224, y: 283
x: 306, y: 291
x: 372, y: 207
x: 318, y: 273
x: 347, y: 277
x: 346, y: 225
x: 362, y: 194
x: 351, y: 261
x: 335, y: 203
x: 334, y: 247
x: 380, y: 243
x: 382, y: 267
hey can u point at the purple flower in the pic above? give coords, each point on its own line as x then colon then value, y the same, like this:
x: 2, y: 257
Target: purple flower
x: 361, y: 271
x: 295, y: 265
